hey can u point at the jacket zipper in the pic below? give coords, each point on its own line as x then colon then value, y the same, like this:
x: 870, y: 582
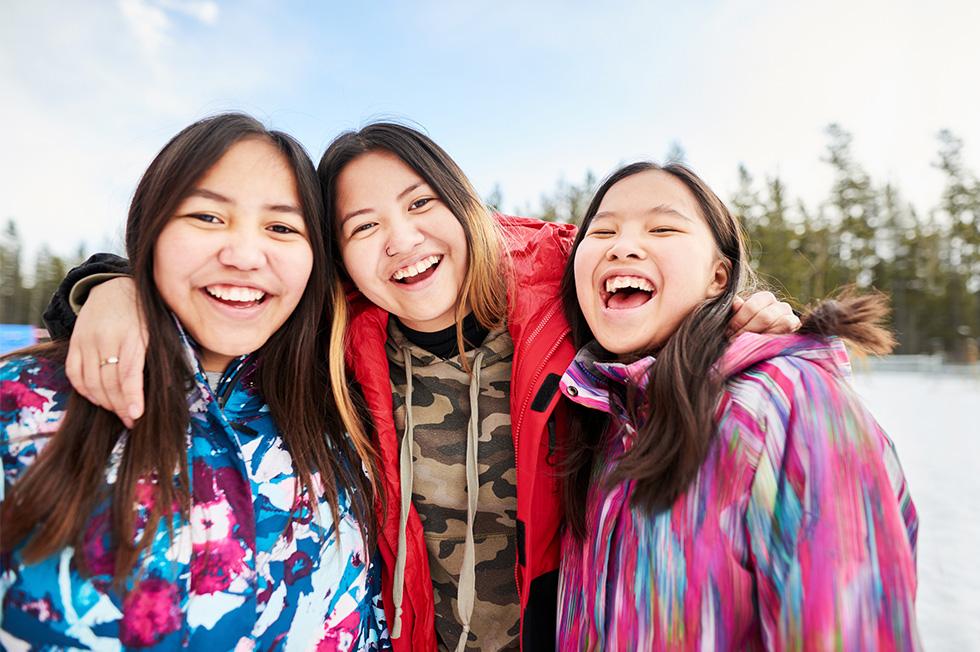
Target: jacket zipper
x: 520, y: 420
x: 230, y: 384
x: 537, y: 373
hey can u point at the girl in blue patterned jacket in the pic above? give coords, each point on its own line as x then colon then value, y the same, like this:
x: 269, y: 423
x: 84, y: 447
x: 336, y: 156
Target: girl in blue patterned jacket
x: 236, y: 513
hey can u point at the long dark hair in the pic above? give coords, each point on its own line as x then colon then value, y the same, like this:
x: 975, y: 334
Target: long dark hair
x: 57, y: 495
x: 672, y: 442
x: 484, y: 286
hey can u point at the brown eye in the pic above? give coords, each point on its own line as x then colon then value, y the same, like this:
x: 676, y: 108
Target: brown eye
x: 205, y: 217
x: 361, y: 228
x: 419, y: 203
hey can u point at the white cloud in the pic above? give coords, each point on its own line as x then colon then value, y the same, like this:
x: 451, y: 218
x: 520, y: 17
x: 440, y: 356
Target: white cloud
x: 204, y: 11
x: 151, y: 22
x: 91, y: 93
x: 148, y: 22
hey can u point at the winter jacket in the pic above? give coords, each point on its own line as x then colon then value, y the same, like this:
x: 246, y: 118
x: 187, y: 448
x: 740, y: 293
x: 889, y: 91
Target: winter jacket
x: 797, y: 533
x: 537, y: 252
x: 239, y: 573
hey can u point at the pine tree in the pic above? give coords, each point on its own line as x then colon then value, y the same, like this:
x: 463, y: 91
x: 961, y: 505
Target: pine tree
x: 14, y: 297
x: 569, y: 202
x: 959, y: 211
x: 49, y: 270
x: 854, y: 209
x: 495, y: 200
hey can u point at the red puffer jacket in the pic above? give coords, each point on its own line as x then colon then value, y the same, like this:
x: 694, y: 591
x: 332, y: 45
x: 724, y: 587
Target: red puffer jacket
x: 542, y: 351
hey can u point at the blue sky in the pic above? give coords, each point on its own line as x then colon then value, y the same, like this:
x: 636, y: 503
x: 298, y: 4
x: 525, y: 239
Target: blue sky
x: 520, y: 96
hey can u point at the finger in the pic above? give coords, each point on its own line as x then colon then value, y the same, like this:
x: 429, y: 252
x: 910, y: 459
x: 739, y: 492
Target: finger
x: 112, y: 387
x: 91, y: 367
x: 131, y: 376
x: 737, y: 303
x: 791, y: 323
x: 73, y: 371
x: 766, y: 320
x: 749, y: 309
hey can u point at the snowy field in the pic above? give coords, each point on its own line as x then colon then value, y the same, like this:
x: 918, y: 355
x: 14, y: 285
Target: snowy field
x: 933, y: 420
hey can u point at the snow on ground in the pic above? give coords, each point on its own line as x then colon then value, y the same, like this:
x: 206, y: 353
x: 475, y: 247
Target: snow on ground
x: 934, y: 420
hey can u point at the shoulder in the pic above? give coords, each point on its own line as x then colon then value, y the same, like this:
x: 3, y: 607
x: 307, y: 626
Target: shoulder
x: 799, y: 397
x: 779, y: 378
x: 760, y: 369
x: 30, y: 383
x: 33, y: 395
x: 536, y: 253
x: 524, y: 236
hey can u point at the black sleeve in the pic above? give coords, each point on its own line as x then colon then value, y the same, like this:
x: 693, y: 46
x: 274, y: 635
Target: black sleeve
x: 58, y: 316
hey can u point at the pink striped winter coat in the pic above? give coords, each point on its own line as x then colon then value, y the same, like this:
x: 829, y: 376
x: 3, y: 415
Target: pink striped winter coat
x: 798, y: 532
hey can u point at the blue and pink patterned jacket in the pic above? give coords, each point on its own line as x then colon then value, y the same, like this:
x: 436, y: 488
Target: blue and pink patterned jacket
x: 798, y: 532
x: 236, y: 575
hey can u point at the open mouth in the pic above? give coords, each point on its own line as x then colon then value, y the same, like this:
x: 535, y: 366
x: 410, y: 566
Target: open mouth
x: 625, y: 292
x: 235, y: 296
x: 417, y: 272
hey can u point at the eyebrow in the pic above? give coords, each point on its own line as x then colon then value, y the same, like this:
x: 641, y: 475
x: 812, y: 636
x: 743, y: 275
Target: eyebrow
x: 218, y: 197
x: 400, y: 196
x: 660, y: 209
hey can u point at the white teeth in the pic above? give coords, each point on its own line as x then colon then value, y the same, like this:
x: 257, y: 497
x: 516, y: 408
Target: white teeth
x: 416, y: 269
x: 619, y: 282
x: 235, y: 293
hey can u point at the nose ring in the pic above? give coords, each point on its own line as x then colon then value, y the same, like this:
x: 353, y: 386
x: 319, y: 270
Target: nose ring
x: 387, y: 251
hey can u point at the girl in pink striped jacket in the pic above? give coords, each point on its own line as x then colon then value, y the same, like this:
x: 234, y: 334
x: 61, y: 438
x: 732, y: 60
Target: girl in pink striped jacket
x: 720, y: 494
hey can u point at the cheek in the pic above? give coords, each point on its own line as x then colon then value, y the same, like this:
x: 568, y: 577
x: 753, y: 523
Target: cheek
x: 360, y: 261
x: 451, y: 230
x: 298, y: 265
x: 583, y: 267
x: 172, y: 255
x: 684, y: 270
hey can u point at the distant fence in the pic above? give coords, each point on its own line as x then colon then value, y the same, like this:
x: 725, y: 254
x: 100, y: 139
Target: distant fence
x: 935, y: 364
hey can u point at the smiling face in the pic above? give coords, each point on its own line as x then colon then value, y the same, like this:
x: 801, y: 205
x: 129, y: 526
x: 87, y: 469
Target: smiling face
x: 233, y: 261
x: 401, y: 245
x: 646, y: 260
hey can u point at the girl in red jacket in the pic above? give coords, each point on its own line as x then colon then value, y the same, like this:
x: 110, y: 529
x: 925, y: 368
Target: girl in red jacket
x: 470, y: 517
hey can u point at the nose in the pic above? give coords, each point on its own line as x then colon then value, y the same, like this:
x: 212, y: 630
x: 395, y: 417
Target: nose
x: 625, y: 246
x: 403, y: 236
x: 243, y: 249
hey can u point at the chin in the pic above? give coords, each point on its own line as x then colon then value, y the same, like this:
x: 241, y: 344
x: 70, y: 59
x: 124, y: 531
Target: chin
x: 629, y: 350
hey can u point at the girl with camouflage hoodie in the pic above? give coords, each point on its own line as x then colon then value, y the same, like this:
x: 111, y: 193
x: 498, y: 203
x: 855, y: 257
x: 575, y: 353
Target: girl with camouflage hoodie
x: 470, y: 522
x: 720, y: 495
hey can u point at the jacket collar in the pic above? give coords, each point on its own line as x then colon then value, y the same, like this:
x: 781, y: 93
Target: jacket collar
x: 590, y: 381
x: 202, y: 393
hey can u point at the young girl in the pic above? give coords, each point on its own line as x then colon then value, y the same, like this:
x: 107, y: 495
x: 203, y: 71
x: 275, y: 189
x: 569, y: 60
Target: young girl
x: 234, y: 514
x: 470, y: 525
x: 720, y: 495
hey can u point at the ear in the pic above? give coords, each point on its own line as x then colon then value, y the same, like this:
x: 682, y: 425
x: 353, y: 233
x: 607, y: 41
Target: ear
x: 719, y: 279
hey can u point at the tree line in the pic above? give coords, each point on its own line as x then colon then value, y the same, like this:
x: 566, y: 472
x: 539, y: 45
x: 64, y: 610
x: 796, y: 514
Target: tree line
x: 23, y: 299
x: 863, y: 233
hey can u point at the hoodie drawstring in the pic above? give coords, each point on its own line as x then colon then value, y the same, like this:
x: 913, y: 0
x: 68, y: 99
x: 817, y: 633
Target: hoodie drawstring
x: 406, y: 471
x: 466, y: 592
